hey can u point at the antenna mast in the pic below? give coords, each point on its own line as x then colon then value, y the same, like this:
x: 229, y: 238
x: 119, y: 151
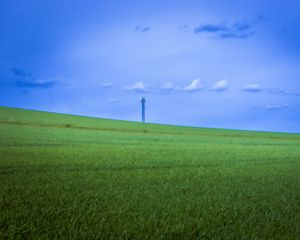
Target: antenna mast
x: 143, y: 100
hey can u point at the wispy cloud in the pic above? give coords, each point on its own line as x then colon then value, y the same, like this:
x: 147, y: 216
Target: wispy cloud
x: 112, y: 100
x: 277, y: 106
x: 211, y: 28
x: 26, y: 79
x: 220, y: 85
x: 194, y: 86
x: 107, y: 85
x: 253, y: 87
x: 227, y: 30
x: 168, y: 86
x: 261, y: 18
x: 38, y: 83
x: 21, y: 72
x: 138, y: 87
x: 278, y: 90
x: 183, y: 27
x: 141, y: 29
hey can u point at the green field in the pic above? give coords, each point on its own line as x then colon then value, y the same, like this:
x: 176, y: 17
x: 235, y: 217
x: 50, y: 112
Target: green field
x: 71, y: 177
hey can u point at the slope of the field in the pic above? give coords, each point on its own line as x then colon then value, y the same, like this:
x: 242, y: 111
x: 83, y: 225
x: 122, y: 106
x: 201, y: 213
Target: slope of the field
x: 71, y: 177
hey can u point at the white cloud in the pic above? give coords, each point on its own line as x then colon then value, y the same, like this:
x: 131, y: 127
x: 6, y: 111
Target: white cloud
x: 113, y: 100
x: 195, y: 85
x: 220, y: 85
x: 278, y: 90
x: 107, y: 85
x: 254, y: 87
x: 138, y: 87
x: 277, y: 106
x: 168, y: 86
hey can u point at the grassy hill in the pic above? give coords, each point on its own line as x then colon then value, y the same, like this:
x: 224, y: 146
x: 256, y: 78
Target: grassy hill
x: 72, y: 177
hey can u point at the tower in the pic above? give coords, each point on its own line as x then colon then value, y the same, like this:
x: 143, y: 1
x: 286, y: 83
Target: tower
x: 143, y: 100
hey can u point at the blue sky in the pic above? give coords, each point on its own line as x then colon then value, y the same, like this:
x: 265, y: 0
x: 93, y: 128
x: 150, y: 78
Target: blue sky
x: 223, y: 64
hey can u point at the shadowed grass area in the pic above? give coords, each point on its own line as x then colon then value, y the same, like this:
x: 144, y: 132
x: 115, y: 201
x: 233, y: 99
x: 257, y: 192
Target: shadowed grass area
x: 71, y: 177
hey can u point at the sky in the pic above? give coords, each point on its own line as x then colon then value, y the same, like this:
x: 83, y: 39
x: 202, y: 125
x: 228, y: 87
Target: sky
x: 206, y: 63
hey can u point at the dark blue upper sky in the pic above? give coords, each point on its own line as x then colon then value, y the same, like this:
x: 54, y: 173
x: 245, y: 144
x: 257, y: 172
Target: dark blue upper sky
x: 224, y: 64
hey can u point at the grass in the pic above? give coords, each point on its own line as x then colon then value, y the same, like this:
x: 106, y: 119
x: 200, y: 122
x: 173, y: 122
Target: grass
x: 71, y: 177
